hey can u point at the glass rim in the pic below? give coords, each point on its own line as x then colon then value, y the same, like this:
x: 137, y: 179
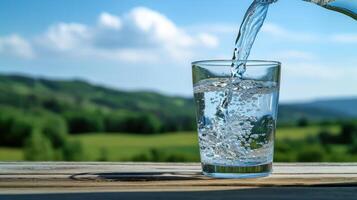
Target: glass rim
x: 229, y: 62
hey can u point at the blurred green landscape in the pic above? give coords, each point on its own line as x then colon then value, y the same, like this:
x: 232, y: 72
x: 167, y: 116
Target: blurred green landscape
x: 73, y: 120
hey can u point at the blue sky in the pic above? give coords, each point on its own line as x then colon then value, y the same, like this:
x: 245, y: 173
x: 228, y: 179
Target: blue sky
x: 149, y: 44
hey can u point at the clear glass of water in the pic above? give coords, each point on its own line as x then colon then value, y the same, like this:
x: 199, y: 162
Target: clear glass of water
x: 240, y: 142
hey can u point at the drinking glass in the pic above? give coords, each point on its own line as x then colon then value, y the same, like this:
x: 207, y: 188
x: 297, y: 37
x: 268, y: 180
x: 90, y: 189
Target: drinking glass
x: 236, y: 117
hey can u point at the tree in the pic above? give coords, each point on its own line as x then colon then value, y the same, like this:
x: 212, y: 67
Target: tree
x: 326, y: 137
x: 55, y: 129
x: 353, y: 147
x: 348, y: 132
x: 84, y: 122
x: 38, y: 147
x: 73, y: 151
x: 15, y: 127
x: 302, y: 122
x: 142, y: 123
x: 115, y: 122
x: 311, y: 154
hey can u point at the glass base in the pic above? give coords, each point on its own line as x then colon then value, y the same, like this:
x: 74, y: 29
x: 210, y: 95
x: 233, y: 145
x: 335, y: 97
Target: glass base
x: 254, y: 171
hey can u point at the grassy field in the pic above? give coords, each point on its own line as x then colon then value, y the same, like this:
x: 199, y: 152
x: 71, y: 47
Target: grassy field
x: 10, y: 154
x: 121, y: 146
x: 124, y: 146
x: 301, y: 133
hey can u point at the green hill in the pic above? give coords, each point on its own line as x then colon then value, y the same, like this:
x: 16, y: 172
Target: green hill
x: 82, y: 104
x: 90, y: 108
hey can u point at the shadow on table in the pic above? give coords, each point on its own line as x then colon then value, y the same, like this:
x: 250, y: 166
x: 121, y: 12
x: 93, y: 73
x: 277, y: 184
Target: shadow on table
x: 139, y: 176
x: 269, y: 193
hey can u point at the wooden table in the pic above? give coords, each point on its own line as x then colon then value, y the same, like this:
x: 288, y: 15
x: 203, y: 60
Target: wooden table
x: 106, y: 180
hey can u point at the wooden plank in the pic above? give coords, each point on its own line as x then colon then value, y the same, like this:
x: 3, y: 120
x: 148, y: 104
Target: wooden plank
x: 109, y: 177
x: 90, y: 167
x: 271, y: 193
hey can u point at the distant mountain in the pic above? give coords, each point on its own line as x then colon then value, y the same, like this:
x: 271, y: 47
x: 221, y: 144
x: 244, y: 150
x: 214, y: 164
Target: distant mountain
x: 328, y: 109
x: 347, y: 106
x: 175, y: 113
x: 294, y: 112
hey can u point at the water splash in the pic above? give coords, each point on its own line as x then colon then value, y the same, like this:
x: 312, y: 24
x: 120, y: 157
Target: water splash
x: 251, y: 25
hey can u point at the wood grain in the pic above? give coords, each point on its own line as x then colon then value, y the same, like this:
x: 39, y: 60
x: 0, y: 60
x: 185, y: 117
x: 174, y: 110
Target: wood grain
x: 129, y: 178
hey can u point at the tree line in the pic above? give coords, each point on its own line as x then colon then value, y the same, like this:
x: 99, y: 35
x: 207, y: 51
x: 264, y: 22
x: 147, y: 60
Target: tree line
x: 16, y: 124
x: 322, y: 147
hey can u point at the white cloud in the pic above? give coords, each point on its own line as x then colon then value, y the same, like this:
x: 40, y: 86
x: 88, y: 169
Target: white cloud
x: 158, y: 26
x: 126, y: 55
x: 65, y: 36
x: 17, y: 46
x: 141, y: 34
x: 208, y: 40
x: 107, y: 20
x: 279, y: 32
x: 345, y: 38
